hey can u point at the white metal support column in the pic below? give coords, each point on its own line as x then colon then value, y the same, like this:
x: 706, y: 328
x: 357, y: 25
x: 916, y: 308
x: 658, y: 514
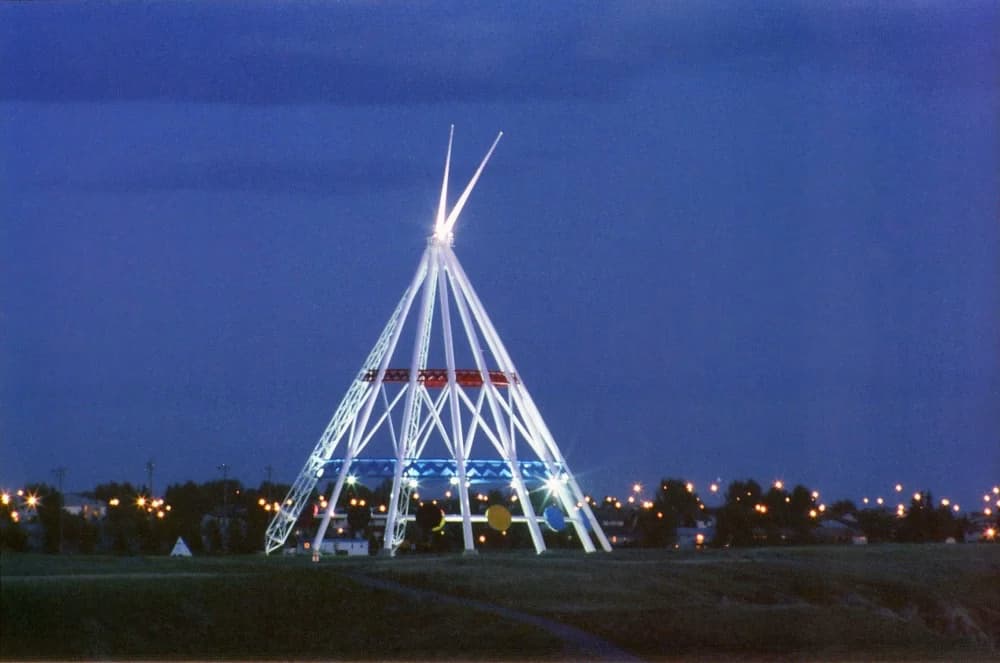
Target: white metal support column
x: 411, y: 409
x: 459, y: 450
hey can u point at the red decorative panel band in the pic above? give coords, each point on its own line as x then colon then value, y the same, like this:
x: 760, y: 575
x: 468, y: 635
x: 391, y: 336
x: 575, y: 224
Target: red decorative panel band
x: 438, y: 377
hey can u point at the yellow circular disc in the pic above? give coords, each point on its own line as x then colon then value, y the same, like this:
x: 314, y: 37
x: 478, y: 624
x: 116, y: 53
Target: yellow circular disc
x: 498, y: 517
x: 440, y: 524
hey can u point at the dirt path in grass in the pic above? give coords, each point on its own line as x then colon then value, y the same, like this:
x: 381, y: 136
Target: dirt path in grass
x: 578, y: 644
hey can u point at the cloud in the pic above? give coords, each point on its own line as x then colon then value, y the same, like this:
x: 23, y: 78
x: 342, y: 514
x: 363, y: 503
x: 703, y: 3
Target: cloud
x: 371, y: 54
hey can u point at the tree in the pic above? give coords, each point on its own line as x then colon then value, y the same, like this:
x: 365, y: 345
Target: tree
x: 675, y: 506
x: 735, y: 521
x: 12, y: 535
x: 923, y: 522
x: 48, y: 512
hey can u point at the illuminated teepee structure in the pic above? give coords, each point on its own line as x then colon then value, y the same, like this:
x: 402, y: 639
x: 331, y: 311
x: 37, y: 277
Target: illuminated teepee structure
x: 456, y: 405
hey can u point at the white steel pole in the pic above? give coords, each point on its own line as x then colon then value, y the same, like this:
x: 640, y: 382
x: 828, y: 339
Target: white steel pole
x: 411, y: 406
x: 510, y: 454
x: 533, y: 417
x: 458, y: 447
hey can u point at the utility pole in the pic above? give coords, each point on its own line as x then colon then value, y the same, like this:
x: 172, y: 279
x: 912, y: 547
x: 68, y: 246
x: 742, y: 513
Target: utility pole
x: 149, y: 477
x: 224, y: 468
x: 60, y: 474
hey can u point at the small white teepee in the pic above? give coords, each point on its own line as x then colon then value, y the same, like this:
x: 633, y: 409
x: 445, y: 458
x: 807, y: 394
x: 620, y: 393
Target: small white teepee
x: 180, y: 549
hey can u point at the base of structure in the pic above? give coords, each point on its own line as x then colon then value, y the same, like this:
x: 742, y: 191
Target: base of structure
x: 470, y: 553
x: 383, y: 552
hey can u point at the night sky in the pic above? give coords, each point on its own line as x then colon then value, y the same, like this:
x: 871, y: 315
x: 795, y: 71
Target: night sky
x: 719, y: 242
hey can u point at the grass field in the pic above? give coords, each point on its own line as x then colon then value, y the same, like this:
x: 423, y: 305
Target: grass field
x: 878, y: 602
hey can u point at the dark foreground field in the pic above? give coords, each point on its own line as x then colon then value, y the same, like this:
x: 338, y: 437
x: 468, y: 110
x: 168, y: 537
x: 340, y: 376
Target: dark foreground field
x: 862, y: 603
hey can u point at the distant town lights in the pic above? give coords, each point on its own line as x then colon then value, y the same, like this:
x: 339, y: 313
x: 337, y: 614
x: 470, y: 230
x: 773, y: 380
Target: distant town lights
x: 637, y: 488
x: 899, y: 487
x: 779, y: 484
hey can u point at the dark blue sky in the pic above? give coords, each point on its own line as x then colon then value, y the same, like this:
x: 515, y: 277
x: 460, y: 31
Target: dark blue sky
x: 719, y: 242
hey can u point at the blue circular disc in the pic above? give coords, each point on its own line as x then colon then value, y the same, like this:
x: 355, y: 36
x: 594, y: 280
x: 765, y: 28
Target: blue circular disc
x: 554, y: 518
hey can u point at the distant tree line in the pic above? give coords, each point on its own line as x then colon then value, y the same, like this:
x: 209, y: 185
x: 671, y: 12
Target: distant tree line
x: 225, y: 517
x: 752, y: 516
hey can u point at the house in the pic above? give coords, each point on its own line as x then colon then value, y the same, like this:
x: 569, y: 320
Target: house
x: 344, y: 547
x: 77, y: 504
x: 695, y: 537
x: 839, y: 531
